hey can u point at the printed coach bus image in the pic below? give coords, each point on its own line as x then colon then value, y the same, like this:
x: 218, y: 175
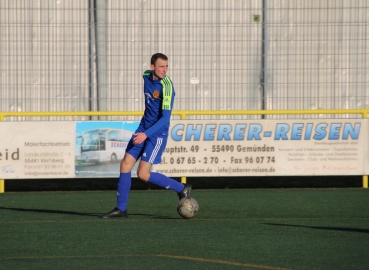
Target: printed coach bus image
x: 102, y: 145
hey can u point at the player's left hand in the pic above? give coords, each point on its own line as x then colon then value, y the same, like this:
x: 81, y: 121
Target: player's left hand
x: 139, y: 137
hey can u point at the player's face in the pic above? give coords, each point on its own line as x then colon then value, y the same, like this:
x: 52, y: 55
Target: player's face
x: 160, y: 68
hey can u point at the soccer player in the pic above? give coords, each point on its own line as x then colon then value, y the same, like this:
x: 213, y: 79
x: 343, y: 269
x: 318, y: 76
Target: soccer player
x: 150, y: 138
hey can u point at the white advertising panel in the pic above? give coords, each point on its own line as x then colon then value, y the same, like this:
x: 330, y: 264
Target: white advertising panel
x: 37, y: 150
x: 266, y: 147
x: 195, y: 148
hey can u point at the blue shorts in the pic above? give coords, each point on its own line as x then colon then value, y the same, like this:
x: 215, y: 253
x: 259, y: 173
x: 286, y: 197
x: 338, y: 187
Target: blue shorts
x: 150, y: 150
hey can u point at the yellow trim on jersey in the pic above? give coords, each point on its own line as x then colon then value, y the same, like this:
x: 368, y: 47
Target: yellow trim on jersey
x: 167, y: 93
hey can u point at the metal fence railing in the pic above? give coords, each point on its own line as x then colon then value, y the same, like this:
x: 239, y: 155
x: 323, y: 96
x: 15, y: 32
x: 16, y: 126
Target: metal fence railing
x: 223, y: 55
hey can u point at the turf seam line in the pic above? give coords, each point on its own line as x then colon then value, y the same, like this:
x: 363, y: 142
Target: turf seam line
x: 221, y: 262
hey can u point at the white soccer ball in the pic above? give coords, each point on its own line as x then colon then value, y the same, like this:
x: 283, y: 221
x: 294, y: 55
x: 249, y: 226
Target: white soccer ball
x: 187, y: 207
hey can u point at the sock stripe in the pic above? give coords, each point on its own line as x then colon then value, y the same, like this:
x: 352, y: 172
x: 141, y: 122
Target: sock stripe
x: 164, y: 181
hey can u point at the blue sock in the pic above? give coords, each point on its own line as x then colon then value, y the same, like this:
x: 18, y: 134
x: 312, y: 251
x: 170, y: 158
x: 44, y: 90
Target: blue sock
x: 124, y: 186
x: 165, y: 182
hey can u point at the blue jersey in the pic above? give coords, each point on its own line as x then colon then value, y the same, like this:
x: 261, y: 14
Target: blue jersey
x: 159, y: 99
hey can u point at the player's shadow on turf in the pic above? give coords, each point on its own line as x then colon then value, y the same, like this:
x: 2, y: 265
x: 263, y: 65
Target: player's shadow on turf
x: 49, y: 211
x: 46, y: 211
x: 323, y: 228
x: 155, y: 216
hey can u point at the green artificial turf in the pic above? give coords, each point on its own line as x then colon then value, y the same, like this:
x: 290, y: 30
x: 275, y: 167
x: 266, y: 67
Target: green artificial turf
x: 234, y: 229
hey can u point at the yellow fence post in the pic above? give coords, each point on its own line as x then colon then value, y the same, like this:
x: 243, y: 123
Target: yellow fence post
x: 365, y: 177
x: 2, y: 182
x: 183, y: 178
x: 365, y: 181
x: 2, y: 186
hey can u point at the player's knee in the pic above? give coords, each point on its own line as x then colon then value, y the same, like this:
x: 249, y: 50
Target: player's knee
x: 143, y: 175
x: 125, y: 165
